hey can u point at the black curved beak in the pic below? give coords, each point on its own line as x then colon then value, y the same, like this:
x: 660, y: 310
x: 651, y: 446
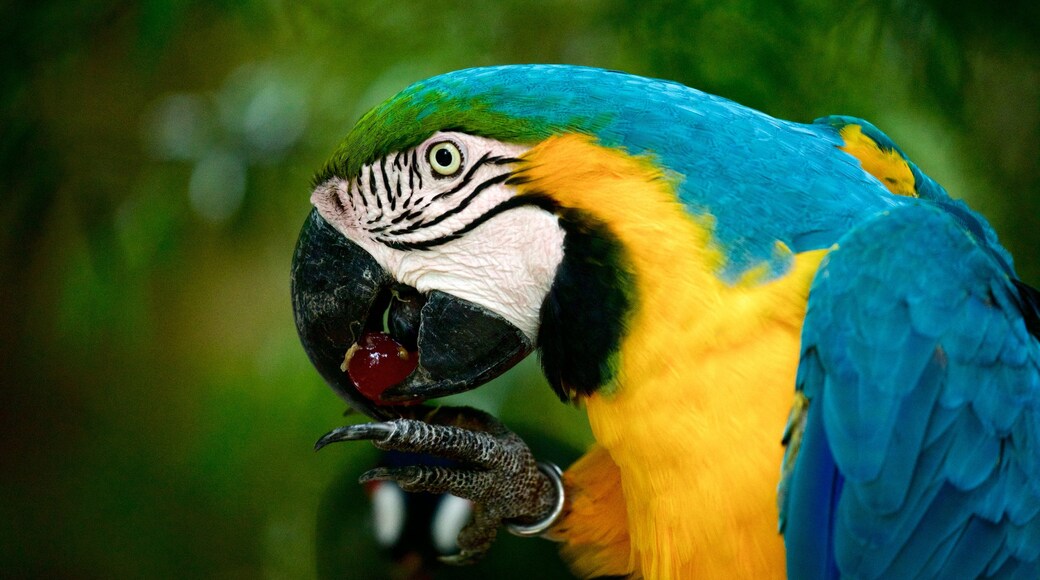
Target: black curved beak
x: 339, y: 292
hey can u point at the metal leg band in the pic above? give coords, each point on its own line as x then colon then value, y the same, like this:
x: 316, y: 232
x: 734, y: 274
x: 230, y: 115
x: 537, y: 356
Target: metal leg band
x: 538, y: 528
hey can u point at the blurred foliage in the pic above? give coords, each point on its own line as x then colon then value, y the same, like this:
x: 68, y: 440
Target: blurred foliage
x: 156, y: 157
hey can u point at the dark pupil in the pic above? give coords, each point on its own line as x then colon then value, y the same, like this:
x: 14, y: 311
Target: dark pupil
x: 443, y: 157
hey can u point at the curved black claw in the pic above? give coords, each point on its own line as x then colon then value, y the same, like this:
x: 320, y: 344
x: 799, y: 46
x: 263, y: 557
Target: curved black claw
x: 497, y: 471
x: 355, y: 432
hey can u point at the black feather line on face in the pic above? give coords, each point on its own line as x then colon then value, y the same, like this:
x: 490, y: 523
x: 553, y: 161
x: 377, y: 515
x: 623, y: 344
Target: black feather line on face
x: 348, y: 194
x: 386, y: 185
x: 360, y: 194
x: 465, y: 180
x: 507, y: 205
x: 412, y: 205
x: 504, y: 160
x: 462, y: 205
x: 372, y: 188
x: 414, y: 169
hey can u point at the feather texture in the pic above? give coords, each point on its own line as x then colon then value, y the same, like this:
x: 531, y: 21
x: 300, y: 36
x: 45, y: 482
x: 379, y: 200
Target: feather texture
x: 937, y: 445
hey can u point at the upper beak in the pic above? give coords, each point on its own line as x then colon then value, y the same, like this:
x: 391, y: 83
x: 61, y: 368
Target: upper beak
x: 339, y: 292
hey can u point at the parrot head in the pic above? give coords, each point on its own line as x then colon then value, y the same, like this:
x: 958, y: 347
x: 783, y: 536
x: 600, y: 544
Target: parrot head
x: 398, y: 249
x: 426, y: 199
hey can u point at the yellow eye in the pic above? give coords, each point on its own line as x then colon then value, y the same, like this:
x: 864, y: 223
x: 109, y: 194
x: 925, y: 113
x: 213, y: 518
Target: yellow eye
x: 445, y: 158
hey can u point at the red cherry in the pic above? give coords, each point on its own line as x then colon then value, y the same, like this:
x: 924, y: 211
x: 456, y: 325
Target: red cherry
x: 376, y: 363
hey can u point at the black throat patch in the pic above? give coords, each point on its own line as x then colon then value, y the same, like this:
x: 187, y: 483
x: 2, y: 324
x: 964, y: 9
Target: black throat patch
x: 584, y: 316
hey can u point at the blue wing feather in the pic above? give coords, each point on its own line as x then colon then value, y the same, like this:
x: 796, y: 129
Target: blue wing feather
x: 923, y: 382
x: 814, y: 497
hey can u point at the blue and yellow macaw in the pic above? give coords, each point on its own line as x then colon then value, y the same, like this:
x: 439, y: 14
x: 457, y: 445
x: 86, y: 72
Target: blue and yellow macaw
x: 706, y: 281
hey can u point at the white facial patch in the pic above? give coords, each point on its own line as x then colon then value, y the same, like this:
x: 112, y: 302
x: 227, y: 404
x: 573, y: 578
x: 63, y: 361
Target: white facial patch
x: 448, y: 232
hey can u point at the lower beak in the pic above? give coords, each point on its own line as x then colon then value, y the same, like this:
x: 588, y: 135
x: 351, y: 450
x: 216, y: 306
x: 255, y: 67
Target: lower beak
x: 339, y: 292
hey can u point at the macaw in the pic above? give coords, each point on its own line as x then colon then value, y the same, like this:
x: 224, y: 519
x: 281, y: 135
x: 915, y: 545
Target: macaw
x: 798, y: 355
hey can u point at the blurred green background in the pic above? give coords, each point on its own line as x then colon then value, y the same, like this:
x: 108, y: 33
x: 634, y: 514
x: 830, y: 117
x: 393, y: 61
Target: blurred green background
x: 155, y: 160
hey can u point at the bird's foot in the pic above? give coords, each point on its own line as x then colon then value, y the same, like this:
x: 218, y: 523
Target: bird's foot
x: 496, y: 471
